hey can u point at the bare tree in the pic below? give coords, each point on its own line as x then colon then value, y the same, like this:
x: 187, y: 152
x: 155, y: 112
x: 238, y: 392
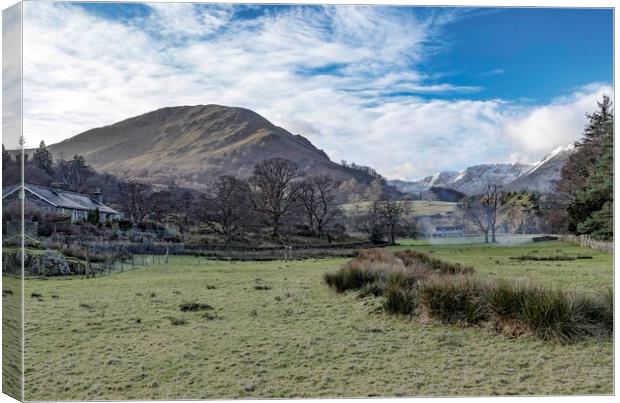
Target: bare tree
x: 275, y: 192
x: 228, y: 208
x: 135, y: 199
x: 318, y: 200
x: 371, y: 222
x: 392, y: 212
x: 482, y: 210
x: 491, y: 201
x: 474, y: 211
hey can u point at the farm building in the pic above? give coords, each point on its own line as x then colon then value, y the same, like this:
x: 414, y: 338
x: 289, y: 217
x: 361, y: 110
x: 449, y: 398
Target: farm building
x: 448, y: 230
x: 55, y: 200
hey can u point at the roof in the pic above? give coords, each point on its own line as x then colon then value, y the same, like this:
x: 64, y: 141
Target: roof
x: 62, y: 198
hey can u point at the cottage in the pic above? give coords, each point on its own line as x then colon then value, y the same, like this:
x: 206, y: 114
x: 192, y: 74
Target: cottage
x: 448, y: 230
x: 55, y: 200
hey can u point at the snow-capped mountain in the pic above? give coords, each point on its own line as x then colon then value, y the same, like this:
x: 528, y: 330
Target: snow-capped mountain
x: 543, y: 175
x: 539, y: 177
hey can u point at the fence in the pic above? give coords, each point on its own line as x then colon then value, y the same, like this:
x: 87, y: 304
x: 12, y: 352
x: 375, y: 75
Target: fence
x: 121, y: 264
x: 588, y: 242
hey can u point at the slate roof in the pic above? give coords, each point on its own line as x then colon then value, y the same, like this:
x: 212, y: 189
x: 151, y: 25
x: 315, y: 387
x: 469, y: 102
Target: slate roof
x: 62, y: 198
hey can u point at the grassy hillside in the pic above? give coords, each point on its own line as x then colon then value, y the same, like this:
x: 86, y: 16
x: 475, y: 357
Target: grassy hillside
x: 276, y: 331
x: 193, y: 144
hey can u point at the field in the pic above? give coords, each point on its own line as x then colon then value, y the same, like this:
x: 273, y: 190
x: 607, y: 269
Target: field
x: 276, y: 331
x: 418, y: 207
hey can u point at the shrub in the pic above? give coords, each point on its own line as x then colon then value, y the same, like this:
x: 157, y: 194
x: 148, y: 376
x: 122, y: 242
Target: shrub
x: 458, y: 299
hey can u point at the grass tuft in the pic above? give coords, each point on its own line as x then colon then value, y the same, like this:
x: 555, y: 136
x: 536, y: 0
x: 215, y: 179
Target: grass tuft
x: 194, y: 307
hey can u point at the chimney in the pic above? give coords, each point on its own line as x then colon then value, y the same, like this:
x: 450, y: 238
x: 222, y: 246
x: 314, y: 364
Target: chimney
x: 57, y: 186
x: 98, y: 197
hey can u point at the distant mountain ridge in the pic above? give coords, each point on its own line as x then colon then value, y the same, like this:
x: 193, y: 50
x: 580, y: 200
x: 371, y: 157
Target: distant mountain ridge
x: 540, y: 177
x: 192, y: 144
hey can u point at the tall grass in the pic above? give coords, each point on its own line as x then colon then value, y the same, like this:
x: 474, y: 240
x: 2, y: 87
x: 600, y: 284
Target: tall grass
x: 411, y: 282
x: 454, y: 299
x: 411, y: 257
x: 547, y: 313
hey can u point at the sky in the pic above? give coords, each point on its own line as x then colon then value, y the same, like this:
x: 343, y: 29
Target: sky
x: 409, y: 91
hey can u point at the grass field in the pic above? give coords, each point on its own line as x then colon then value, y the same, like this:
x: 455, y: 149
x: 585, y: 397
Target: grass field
x: 418, y: 207
x: 276, y: 331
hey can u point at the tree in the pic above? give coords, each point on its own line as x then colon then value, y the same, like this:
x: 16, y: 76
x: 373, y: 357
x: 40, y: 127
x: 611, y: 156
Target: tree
x: 572, y: 204
x: 43, y: 159
x: 474, y: 211
x: 159, y: 205
x: 371, y: 222
x: 93, y: 216
x: 595, y: 201
x: 392, y: 212
x: 228, y: 208
x: 317, y: 198
x: 481, y: 210
x: 73, y: 174
x: 519, y: 207
x: 135, y: 199
x: 274, y: 191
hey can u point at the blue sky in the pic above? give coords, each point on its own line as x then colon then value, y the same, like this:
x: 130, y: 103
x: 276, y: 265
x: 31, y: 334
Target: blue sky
x: 432, y: 88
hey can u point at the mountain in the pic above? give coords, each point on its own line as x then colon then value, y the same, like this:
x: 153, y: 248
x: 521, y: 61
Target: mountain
x: 193, y: 144
x: 540, y: 177
x: 543, y: 175
x: 470, y: 181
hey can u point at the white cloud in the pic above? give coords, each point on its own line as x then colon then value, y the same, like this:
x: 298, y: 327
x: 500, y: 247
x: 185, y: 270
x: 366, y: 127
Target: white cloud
x: 540, y: 129
x: 83, y: 71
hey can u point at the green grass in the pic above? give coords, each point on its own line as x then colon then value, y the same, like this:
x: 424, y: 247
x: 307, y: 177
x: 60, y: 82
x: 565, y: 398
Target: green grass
x: 589, y: 275
x: 418, y: 207
x: 11, y: 336
x: 112, y: 337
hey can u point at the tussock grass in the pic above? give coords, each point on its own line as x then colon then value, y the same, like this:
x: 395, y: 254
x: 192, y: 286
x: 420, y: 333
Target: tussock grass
x: 454, y: 299
x: 413, y: 258
x: 372, y: 270
x: 400, y: 300
x: 412, y: 282
x: 546, y: 313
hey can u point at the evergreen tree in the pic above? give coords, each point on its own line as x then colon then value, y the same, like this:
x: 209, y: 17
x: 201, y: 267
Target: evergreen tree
x: 595, y: 202
x: 587, y: 177
x: 43, y: 158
